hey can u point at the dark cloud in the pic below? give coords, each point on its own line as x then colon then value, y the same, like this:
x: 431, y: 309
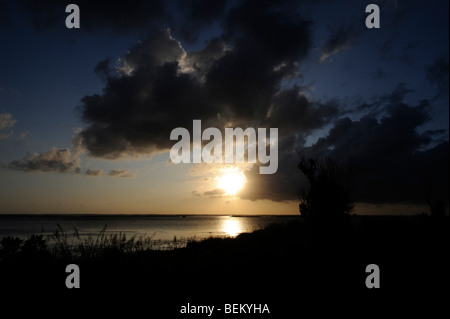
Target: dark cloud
x: 93, y: 172
x: 55, y: 160
x: 201, y: 61
x: 148, y: 93
x: 437, y: 74
x: 158, y: 86
x: 117, y: 172
x: 120, y: 173
x: 265, y: 45
x: 391, y: 160
x: 292, y: 112
x: 214, y: 193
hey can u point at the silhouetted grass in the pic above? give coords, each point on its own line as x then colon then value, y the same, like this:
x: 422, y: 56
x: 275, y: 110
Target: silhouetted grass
x: 63, y: 245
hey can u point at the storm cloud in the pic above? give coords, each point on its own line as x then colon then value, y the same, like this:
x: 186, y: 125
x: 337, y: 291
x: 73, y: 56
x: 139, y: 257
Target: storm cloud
x: 234, y: 80
x: 391, y: 159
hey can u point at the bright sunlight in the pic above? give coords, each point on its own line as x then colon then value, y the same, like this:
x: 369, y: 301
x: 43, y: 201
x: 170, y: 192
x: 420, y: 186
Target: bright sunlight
x: 231, y: 181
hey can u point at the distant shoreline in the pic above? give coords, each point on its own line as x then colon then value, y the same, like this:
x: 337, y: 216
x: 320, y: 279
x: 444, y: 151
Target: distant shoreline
x: 195, y: 215
x: 146, y: 215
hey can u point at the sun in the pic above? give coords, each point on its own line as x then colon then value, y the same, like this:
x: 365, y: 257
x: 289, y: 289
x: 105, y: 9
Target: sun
x: 231, y: 181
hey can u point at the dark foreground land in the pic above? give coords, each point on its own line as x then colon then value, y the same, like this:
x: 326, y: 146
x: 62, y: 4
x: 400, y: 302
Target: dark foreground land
x: 300, y: 270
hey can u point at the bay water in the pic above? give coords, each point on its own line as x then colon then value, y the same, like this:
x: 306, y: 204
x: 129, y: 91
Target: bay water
x: 157, y: 227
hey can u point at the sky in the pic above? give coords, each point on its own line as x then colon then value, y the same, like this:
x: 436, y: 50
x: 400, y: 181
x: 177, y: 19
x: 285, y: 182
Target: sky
x: 86, y: 113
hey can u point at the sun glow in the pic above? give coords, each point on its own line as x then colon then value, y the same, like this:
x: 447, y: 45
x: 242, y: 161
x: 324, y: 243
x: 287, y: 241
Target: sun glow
x: 231, y: 181
x: 231, y: 227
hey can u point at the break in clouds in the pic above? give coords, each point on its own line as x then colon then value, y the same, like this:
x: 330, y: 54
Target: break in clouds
x: 243, y: 77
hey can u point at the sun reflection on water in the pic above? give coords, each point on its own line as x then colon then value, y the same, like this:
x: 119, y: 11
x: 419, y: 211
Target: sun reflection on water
x: 231, y: 227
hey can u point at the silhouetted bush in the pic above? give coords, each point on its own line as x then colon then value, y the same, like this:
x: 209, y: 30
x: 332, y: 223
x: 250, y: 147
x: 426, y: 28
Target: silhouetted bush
x: 328, y: 196
x: 34, y: 245
x: 437, y: 208
x: 10, y: 246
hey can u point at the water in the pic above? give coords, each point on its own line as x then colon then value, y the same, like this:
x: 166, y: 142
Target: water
x: 162, y: 228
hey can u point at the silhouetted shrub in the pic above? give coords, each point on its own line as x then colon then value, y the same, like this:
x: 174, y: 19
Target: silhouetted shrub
x: 35, y: 244
x: 10, y: 246
x: 437, y: 208
x: 328, y: 196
